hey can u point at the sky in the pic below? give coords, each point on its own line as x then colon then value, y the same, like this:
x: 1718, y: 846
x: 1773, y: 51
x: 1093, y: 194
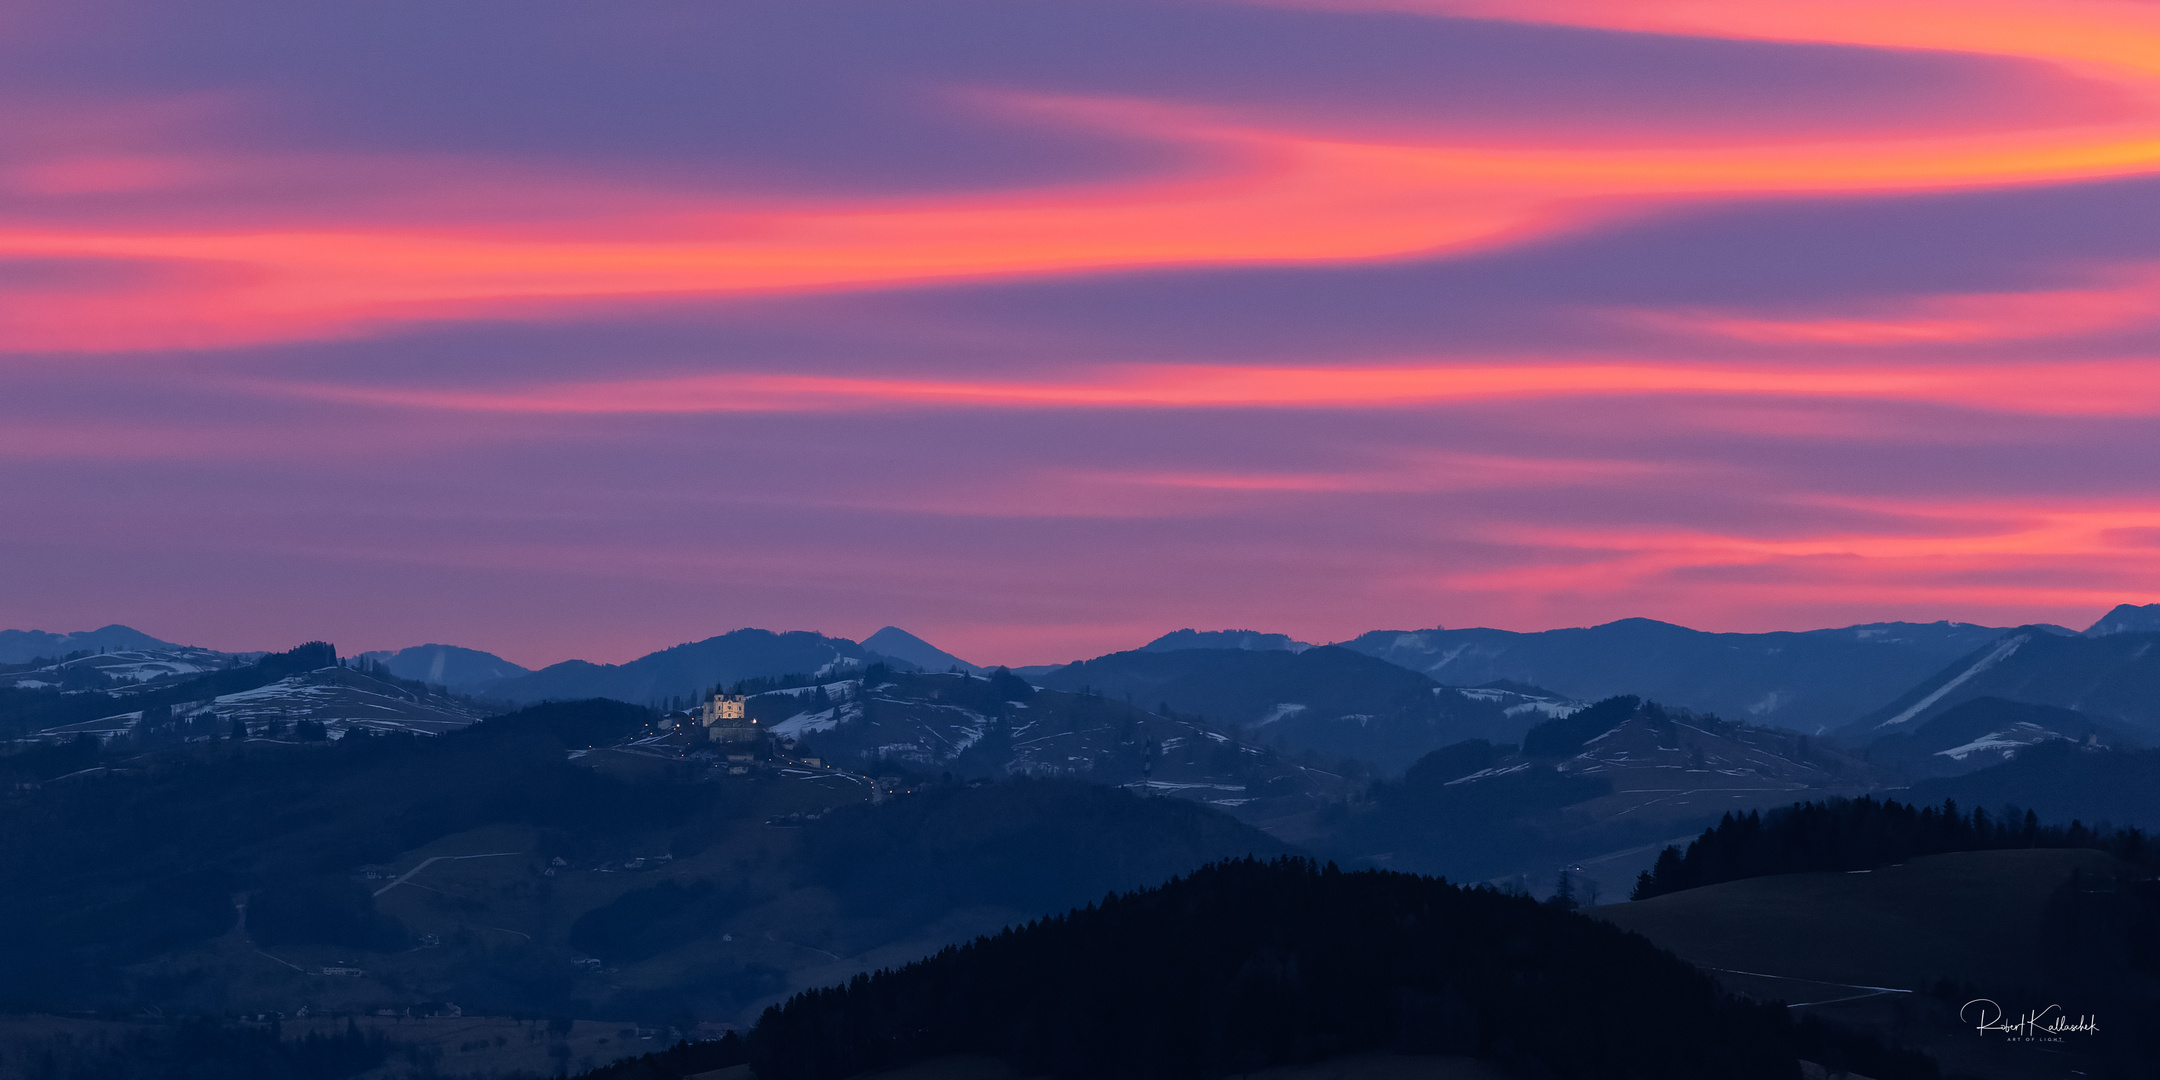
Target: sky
x: 564, y: 329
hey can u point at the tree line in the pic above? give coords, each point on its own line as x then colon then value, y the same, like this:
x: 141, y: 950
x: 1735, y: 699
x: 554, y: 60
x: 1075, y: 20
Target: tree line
x: 1863, y: 834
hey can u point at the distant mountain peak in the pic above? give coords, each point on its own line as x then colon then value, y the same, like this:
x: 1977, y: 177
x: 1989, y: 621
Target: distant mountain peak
x: 1250, y: 640
x: 467, y: 671
x: 901, y: 645
x: 689, y: 669
x: 2127, y: 619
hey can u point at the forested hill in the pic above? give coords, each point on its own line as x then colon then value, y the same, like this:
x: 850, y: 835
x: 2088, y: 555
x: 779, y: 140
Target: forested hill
x: 1862, y: 834
x: 1247, y: 964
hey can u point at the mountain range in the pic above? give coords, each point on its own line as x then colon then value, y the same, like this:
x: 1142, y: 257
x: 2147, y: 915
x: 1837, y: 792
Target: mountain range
x: 687, y: 670
x: 1329, y: 700
x: 594, y: 857
x: 679, y: 673
x: 1384, y: 697
x: 1808, y: 681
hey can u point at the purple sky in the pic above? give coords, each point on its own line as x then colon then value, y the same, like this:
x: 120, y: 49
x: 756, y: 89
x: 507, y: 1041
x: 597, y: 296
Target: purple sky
x: 565, y: 329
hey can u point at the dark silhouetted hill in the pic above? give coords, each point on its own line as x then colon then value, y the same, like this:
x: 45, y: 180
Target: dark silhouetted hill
x: 1246, y: 964
x: 2063, y: 781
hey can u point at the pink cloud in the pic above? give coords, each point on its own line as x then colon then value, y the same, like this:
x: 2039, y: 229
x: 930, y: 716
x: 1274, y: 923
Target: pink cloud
x: 2127, y: 297
x: 1252, y: 191
x: 2128, y: 387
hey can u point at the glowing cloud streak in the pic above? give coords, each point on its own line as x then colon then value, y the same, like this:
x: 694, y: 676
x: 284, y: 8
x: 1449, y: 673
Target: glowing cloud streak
x: 2115, y: 35
x: 2095, y: 388
x: 1268, y: 195
x: 2132, y: 299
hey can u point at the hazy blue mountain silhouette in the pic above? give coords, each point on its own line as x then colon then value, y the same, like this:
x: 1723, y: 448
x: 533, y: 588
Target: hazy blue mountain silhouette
x: 2114, y: 678
x: 21, y: 646
x: 1255, y: 640
x: 1807, y: 680
x: 466, y: 671
x: 689, y: 669
x: 2127, y: 619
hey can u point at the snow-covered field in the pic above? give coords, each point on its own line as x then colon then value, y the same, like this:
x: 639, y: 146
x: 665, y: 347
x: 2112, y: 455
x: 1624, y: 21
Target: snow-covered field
x: 337, y: 698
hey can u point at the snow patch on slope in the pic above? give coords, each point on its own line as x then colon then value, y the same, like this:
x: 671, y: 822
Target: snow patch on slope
x: 1995, y: 656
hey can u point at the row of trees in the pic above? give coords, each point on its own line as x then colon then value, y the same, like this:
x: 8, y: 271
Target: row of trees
x: 1862, y: 834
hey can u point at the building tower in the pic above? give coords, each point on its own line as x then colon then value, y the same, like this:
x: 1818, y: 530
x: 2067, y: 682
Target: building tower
x: 725, y: 720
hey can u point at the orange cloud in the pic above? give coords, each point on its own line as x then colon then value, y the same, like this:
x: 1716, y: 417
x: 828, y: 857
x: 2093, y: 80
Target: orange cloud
x: 2131, y: 299
x: 2115, y: 36
x: 1942, y: 555
x: 1416, y: 472
x: 2090, y: 388
x: 1264, y: 194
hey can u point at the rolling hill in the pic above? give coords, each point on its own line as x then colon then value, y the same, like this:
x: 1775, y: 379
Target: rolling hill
x: 23, y: 646
x: 177, y: 694
x: 1620, y: 774
x: 1330, y: 701
x: 493, y: 868
x: 2063, y: 781
x: 1904, y: 947
x: 1901, y: 926
x: 975, y: 727
x: 340, y: 699
x: 1984, y: 731
x: 123, y: 669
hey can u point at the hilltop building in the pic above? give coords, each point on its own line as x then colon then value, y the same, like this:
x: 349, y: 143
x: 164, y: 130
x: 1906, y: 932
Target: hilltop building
x: 725, y: 721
